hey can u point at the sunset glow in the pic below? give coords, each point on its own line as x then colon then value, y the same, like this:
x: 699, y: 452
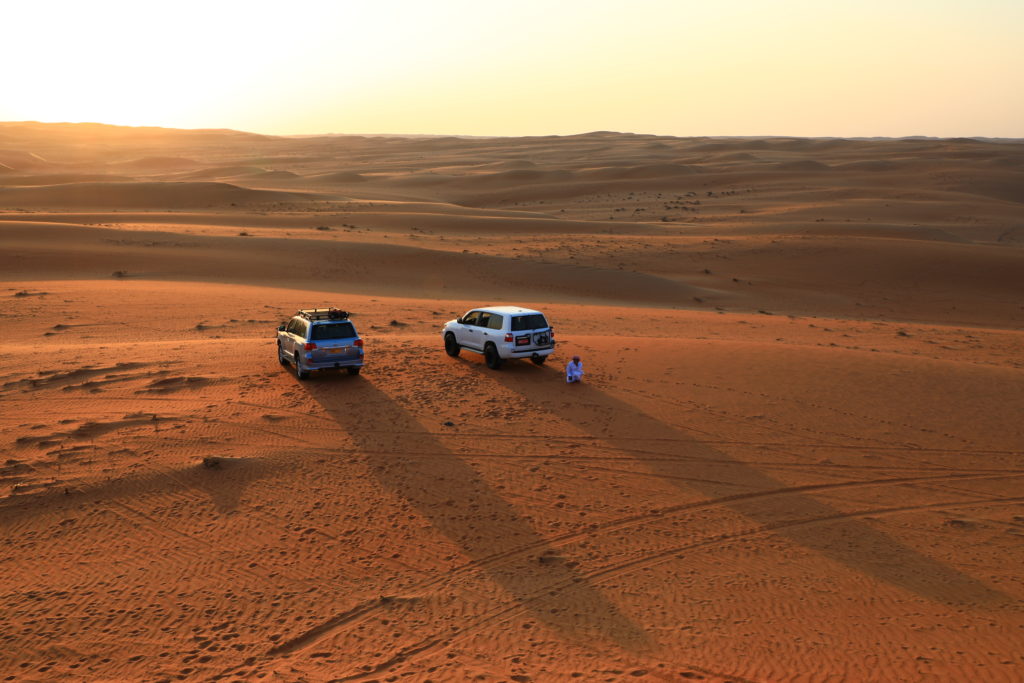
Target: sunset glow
x: 461, y: 67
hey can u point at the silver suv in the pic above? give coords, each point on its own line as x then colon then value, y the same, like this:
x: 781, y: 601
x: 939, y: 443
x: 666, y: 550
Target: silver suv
x: 501, y: 333
x: 320, y: 339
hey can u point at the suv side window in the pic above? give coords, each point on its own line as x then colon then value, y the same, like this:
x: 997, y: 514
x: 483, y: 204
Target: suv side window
x: 495, y: 321
x: 471, y: 318
x: 299, y: 327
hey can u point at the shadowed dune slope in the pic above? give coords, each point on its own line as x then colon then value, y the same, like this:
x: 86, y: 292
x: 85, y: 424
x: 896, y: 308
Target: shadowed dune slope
x: 16, y: 179
x: 49, y: 250
x: 135, y: 195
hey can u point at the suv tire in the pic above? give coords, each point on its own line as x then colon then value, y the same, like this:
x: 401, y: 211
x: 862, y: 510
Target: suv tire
x: 451, y: 347
x: 280, y: 355
x: 491, y: 357
x: 538, y: 360
x: 299, y: 372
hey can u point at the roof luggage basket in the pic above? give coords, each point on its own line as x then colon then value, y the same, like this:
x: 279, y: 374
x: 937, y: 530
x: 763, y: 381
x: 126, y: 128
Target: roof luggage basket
x: 323, y: 314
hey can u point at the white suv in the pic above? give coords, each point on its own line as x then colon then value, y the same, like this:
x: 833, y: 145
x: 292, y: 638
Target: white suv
x: 501, y: 333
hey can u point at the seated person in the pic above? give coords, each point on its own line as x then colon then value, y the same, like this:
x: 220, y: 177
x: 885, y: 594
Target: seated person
x: 574, y: 370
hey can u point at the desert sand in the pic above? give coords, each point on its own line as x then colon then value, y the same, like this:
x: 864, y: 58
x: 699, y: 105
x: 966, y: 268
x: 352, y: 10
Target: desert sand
x: 796, y: 455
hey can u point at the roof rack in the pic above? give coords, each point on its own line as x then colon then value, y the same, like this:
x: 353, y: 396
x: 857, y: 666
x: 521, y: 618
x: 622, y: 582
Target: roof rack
x: 323, y: 314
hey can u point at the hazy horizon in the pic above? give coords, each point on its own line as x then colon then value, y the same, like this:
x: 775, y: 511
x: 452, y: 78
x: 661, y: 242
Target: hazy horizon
x: 747, y: 69
x: 484, y: 137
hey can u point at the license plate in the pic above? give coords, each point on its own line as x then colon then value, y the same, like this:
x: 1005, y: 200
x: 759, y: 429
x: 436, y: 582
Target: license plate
x: 337, y: 350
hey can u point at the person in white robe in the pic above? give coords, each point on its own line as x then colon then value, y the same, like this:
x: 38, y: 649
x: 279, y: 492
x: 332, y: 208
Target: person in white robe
x: 574, y: 370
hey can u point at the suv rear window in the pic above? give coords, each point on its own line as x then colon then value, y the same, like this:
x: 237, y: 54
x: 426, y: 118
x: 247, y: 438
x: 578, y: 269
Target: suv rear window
x: 534, y: 321
x: 332, y: 331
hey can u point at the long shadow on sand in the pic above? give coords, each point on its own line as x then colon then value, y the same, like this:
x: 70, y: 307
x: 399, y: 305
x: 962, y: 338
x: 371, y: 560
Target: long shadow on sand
x: 811, y: 523
x: 464, y: 507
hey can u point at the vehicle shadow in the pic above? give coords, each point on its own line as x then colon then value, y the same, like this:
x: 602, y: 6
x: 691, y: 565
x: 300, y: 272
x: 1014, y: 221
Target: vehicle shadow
x: 774, y: 506
x: 414, y: 464
x: 225, y: 479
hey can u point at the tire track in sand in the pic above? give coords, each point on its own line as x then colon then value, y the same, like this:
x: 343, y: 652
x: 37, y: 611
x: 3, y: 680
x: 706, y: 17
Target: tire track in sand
x: 437, y: 643
x: 357, y: 613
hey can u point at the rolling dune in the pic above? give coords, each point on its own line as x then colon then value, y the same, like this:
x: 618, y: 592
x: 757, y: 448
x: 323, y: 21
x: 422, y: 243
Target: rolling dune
x: 91, y: 253
x: 134, y: 195
x: 60, y: 179
x: 340, y: 177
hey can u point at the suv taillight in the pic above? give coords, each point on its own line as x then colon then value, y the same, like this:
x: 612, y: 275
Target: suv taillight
x: 358, y: 342
x: 309, y: 346
x: 508, y: 337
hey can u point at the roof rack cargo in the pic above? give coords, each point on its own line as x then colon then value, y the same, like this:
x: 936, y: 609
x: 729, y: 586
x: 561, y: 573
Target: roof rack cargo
x: 323, y: 314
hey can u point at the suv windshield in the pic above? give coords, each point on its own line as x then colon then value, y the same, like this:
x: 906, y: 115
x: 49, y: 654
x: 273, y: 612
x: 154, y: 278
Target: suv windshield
x: 534, y: 321
x: 332, y: 331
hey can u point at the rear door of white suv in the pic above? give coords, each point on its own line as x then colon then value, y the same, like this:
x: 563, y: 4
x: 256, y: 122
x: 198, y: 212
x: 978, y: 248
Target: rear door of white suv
x: 531, y: 332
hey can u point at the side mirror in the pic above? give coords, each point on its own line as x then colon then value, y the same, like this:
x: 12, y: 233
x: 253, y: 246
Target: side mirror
x: 458, y: 320
x: 280, y: 328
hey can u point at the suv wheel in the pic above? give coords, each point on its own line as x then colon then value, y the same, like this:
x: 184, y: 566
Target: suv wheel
x: 280, y: 355
x: 299, y: 371
x: 538, y: 360
x: 451, y: 347
x: 491, y: 357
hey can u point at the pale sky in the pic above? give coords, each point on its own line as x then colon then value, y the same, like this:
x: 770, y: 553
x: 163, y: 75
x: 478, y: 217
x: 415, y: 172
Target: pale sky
x: 484, y: 67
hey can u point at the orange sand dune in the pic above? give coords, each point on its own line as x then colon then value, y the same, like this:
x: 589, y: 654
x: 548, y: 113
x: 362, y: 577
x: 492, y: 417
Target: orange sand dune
x: 340, y: 177
x: 136, y: 195
x: 16, y: 179
x: 155, y: 163
x: 21, y: 160
x: 85, y: 252
x: 795, y: 456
